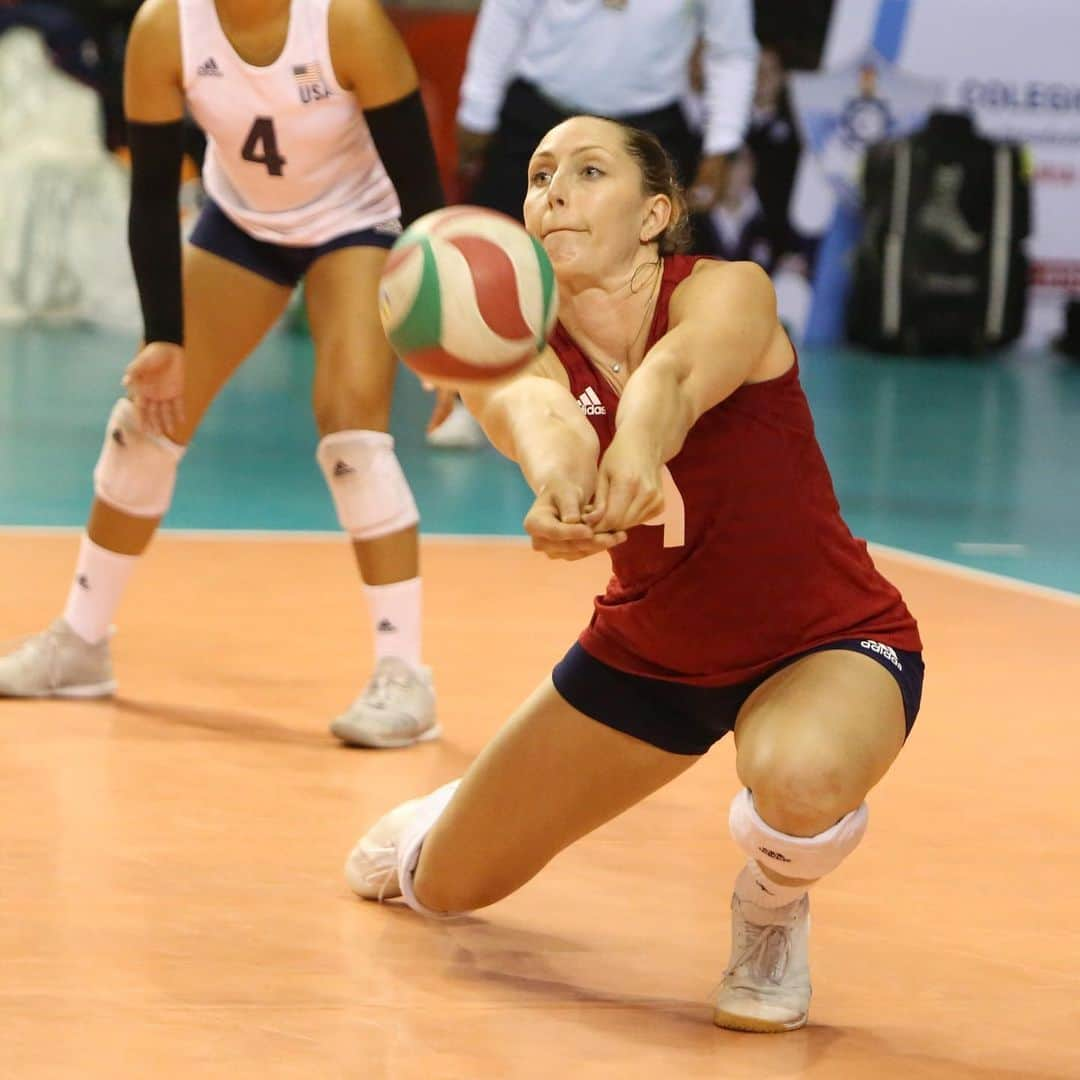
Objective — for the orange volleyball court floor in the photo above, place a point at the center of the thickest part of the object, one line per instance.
(171, 860)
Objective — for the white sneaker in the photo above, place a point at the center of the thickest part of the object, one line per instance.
(458, 431)
(766, 985)
(396, 708)
(57, 663)
(393, 842)
(371, 868)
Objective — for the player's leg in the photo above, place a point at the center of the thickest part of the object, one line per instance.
(551, 775)
(134, 481)
(355, 370)
(811, 741)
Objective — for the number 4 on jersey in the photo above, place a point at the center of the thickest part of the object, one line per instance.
(262, 135)
(673, 516)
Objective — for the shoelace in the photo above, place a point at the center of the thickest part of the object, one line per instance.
(378, 691)
(380, 875)
(767, 955)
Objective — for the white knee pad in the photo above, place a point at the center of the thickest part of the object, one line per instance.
(370, 492)
(412, 840)
(136, 471)
(799, 857)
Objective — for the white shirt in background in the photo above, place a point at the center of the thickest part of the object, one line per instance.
(614, 58)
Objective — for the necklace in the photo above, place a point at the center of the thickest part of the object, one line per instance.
(616, 366)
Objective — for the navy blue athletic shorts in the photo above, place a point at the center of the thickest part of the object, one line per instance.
(281, 263)
(685, 719)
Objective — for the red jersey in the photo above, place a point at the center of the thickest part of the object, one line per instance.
(751, 562)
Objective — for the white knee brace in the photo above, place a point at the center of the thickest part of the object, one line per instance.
(370, 492)
(135, 472)
(799, 857)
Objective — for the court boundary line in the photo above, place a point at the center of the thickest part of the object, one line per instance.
(901, 555)
(312, 535)
(972, 573)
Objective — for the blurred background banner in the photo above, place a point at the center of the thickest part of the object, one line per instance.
(1013, 66)
(835, 76)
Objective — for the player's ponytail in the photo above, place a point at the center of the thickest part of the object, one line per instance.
(659, 177)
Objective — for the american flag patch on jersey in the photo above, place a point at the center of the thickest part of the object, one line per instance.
(307, 74)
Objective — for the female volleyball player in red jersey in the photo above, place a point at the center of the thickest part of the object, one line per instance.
(318, 150)
(666, 424)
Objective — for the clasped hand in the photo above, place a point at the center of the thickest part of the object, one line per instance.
(567, 521)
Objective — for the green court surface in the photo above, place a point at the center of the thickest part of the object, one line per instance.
(976, 462)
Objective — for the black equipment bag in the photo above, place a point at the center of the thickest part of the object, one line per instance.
(940, 266)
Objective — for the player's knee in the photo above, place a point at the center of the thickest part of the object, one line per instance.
(444, 886)
(347, 402)
(367, 484)
(346, 412)
(802, 790)
(437, 892)
(450, 879)
(136, 471)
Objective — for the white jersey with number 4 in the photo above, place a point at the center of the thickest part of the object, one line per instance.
(289, 156)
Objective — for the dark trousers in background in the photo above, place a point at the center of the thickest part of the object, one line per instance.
(527, 115)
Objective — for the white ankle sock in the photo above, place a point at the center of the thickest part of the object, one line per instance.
(395, 616)
(752, 886)
(413, 835)
(100, 578)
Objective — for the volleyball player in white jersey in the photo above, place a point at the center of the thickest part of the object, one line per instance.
(318, 150)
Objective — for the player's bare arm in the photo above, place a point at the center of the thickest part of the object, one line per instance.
(723, 321)
(723, 332)
(533, 420)
(369, 57)
(153, 92)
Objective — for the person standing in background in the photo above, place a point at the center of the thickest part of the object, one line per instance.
(533, 64)
(774, 140)
(739, 223)
(319, 153)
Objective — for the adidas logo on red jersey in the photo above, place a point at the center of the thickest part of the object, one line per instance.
(590, 403)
